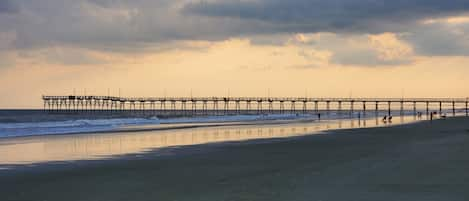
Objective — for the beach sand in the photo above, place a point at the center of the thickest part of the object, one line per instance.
(423, 161)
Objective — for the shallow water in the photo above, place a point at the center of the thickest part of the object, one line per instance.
(48, 148)
(17, 123)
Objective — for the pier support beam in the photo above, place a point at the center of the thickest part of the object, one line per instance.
(248, 106)
(293, 107)
(183, 107)
(304, 107)
(215, 107)
(153, 107)
(259, 107)
(162, 106)
(204, 107)
(467, 111)
(282, 107)
(454, 109)
(440, 108)
(142, 107)
(340, 107)
(389, 108)
(226, 107)
(194, 107)
(427, 103)
(402, 108)
(316, 109)
(328, 106)
(173, 105)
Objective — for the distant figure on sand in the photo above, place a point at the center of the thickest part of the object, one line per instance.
(385, 118)
(319, 116)
(390, 119)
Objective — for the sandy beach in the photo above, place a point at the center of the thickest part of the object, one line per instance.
(422, 161)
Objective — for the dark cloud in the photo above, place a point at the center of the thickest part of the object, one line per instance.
(119, 25)
(8, 6)
(440, 39)
(367, 16)
(149, 25)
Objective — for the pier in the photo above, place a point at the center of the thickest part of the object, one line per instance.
(190, 106)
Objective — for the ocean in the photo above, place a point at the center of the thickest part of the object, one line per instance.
(16, 123)
(36, 136)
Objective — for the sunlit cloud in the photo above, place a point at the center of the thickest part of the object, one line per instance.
(390, 47)
(450, 20)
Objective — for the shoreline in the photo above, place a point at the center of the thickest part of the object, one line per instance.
(191, 125)
(176, 126)
(419, 161)
(110, 145)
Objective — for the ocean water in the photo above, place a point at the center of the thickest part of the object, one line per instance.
(15, 123)
(32, 138)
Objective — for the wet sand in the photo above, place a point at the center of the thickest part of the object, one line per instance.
(422, 161)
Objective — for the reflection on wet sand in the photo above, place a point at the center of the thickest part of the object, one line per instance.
(38, 149)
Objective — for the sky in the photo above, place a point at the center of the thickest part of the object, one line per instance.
(314, 48)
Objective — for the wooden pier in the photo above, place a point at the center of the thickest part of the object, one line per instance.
(249, 105)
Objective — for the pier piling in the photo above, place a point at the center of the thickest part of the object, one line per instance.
(454, 109)
(427, 108)
(440, 107)
(328, 106)
(340, 107)
(467, 111)
(389, 108)
(316, 109)
(402, 108)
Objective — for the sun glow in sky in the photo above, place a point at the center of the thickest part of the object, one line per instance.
(337, 48)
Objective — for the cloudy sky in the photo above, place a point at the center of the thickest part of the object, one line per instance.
(334, 48)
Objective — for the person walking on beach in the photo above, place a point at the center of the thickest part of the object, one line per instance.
(389, 118)
(319, 116)
(385, 118)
